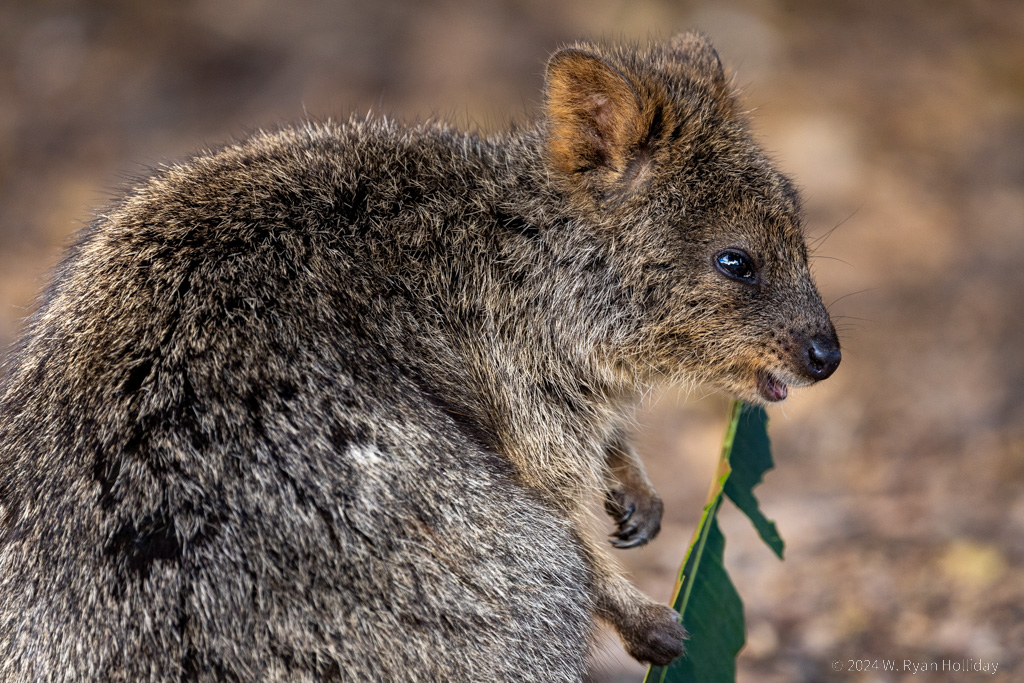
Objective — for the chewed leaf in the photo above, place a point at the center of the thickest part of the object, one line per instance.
(711, 608)
(751, 458)
(705, 597)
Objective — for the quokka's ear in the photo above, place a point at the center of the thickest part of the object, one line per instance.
(693, 51)
(596, 123)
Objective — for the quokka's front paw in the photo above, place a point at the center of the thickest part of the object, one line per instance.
(637, 515)
(656, 637)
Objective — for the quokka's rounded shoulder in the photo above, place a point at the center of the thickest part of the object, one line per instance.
(358, 143)
(300, 171)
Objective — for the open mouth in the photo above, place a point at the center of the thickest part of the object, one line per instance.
(771, 388)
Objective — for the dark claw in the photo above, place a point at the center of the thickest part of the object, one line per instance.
(631, 543)
(627, 514)
(625, 532)
(637, 517)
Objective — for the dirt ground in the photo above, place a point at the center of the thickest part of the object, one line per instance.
(899, 485)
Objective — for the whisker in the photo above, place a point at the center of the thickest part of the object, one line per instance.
(816, 242)
(862, 291)
(817, 257)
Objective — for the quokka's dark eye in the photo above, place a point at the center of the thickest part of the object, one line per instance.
(737, 265)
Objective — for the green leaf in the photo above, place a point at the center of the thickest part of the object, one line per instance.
(713, 614)
(711, 608)
(751, 458)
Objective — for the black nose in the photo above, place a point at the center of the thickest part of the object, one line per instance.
(823, 356)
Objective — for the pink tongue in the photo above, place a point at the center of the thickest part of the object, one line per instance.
(771, 389)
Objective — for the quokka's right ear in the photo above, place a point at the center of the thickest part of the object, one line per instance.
(596, 124)
(695, 53)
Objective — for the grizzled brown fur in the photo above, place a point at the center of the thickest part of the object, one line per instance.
(331, 403)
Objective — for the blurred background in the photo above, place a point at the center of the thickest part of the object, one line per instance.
(900, 482)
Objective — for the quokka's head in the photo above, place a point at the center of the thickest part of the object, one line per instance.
(704, 234)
